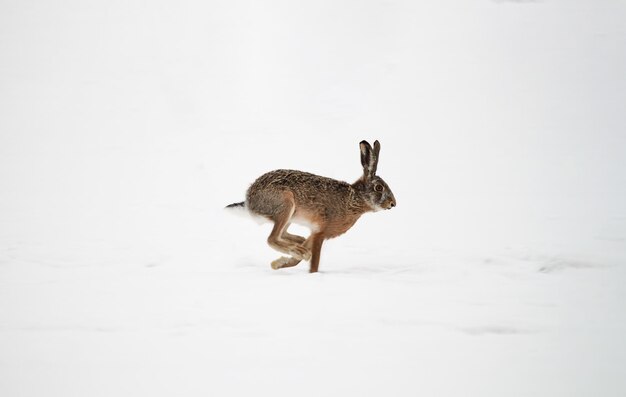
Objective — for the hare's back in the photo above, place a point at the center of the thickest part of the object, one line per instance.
(309, 190)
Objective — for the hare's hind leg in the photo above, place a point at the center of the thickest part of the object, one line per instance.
(313, 243)
(292, 237)
(281, 220)
(285, 261)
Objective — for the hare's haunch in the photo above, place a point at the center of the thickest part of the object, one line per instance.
(327, 206)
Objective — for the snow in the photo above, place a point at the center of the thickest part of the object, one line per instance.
(126, 127)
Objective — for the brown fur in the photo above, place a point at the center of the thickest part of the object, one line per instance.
(332, 207)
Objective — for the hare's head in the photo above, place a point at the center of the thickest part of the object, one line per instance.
(375, 191)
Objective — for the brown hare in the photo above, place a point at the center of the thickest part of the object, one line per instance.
(327, 206)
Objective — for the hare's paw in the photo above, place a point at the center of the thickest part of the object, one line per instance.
(300, 252)
(284, 261)
(280, 262)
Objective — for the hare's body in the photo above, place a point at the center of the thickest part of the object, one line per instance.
(323, 204)
(327, 206)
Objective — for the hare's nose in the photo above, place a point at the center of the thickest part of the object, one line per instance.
(393, 204)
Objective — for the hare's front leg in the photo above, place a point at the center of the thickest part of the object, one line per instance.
(316, 241)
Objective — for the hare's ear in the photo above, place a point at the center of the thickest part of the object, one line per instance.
(374, 166)
(367, 159)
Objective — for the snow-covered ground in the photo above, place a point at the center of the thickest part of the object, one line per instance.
(126, 126)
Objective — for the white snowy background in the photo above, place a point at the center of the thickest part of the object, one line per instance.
(126, 126)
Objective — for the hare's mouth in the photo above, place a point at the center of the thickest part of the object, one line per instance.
(390, 205)
(383, 206)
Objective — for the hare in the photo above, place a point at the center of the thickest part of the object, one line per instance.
(327, 206)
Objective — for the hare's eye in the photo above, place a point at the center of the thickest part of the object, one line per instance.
(379, 188)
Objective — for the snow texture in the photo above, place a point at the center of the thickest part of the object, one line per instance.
(127, 126)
